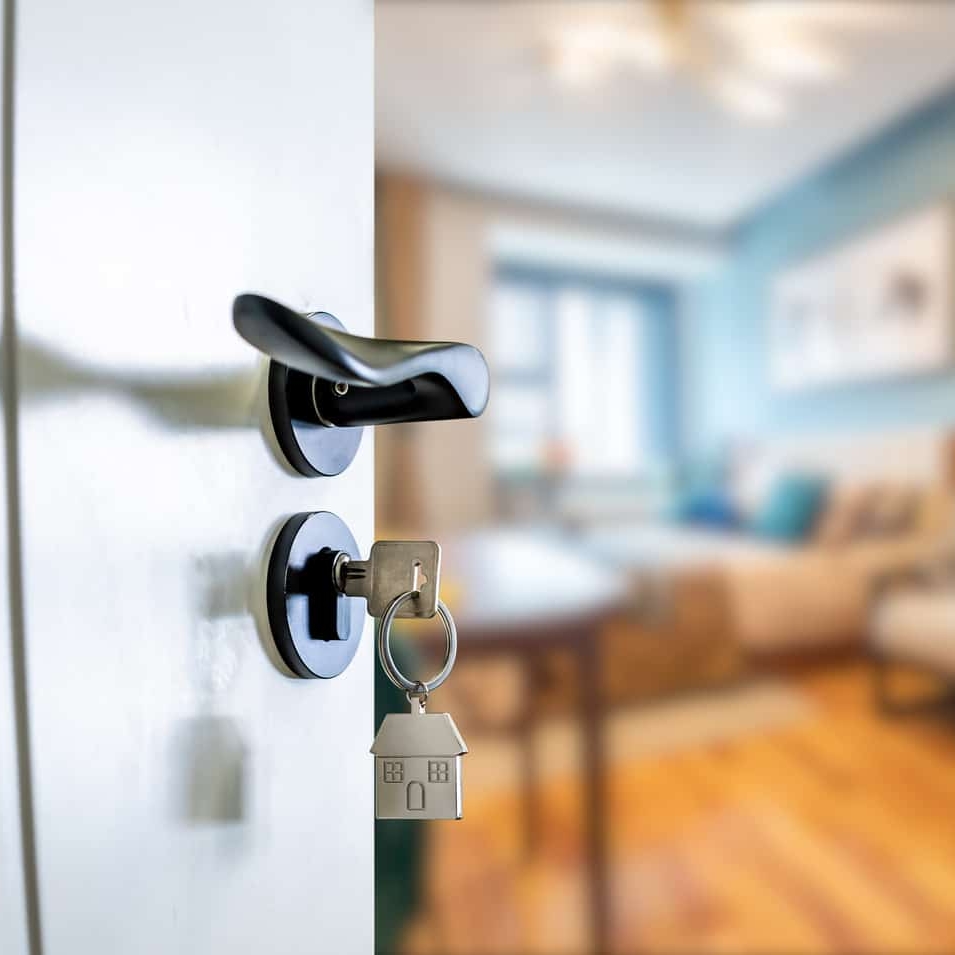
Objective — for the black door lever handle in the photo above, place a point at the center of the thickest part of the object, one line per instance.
(309, 345)
(322, 380)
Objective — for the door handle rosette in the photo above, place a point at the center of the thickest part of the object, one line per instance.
(325, 384)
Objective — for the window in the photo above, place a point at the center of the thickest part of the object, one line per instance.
(393, 772)
(437, 771)
(567, 359)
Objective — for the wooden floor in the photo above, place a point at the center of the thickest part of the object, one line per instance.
(833, 834)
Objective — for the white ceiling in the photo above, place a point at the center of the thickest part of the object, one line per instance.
(465, 93)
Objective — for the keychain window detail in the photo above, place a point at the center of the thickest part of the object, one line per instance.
(394, 772)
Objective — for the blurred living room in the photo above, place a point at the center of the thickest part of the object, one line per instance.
(701, 549)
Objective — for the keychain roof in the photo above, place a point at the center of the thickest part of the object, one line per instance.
(434, 735)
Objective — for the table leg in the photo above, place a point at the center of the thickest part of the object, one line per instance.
(591, 703)
(529, 760)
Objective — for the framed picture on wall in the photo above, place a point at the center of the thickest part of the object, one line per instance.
(877, 307)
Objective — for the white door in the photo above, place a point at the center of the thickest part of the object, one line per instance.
(185, 794)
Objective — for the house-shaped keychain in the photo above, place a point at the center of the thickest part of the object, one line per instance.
(418, 767)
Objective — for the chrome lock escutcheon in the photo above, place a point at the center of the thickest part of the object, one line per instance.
(319, 588)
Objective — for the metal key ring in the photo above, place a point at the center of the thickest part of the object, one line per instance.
(414, 687)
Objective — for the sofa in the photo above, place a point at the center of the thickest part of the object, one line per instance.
(813, 593)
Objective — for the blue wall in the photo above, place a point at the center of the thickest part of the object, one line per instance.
(724, 371)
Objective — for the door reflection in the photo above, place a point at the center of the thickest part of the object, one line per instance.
(216, 399)
(211, 756)
(212, 766)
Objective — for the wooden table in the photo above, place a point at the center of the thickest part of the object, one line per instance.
(525, 595)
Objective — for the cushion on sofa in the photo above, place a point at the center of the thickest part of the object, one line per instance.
(708, 507)
(792, 508)
(917, 627)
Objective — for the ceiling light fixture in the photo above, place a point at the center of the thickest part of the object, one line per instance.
(789, 58)
(585, 53)
(744, 55)
(742, 96)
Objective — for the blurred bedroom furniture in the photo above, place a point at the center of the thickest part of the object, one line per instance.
(677, 637)
(889, 503)
(913, 629)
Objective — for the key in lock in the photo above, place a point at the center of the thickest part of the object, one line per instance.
(418, 766)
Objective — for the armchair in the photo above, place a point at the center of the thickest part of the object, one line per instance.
(912, 626)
